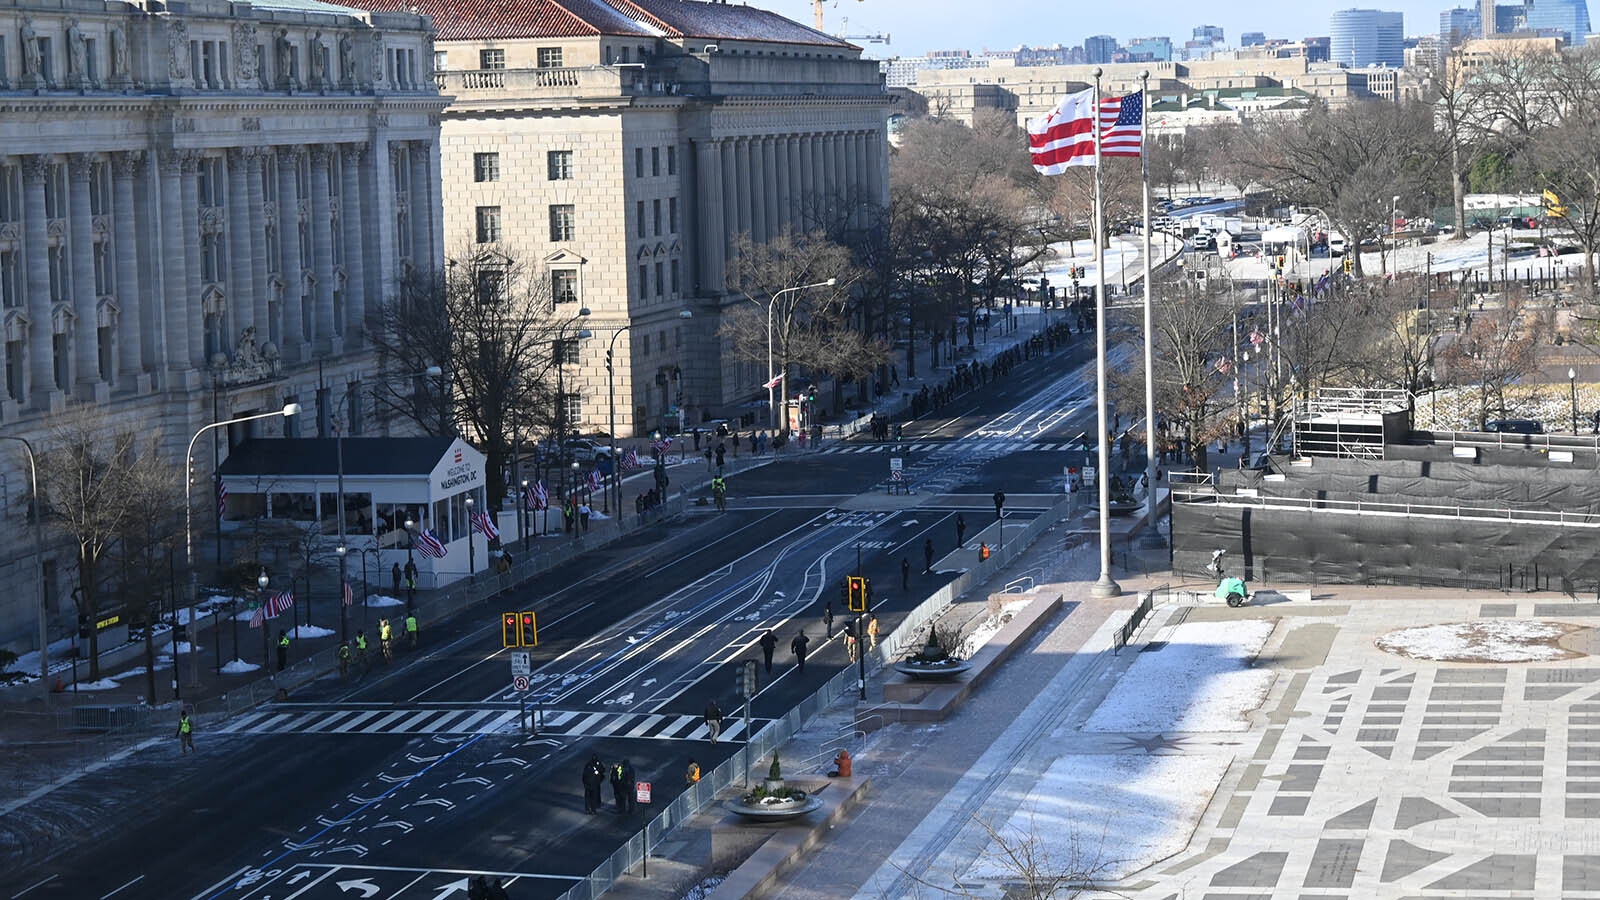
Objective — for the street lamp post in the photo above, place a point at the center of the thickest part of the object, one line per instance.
(344, 585)
(289, 409)
(472, 559)
(1572, 383)
(611, 391)
(261, 598)
(411, 565)
(38, 551)
(561, 374)
(773, 378)
(523, 513)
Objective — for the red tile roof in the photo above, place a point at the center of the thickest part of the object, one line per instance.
(466, 20)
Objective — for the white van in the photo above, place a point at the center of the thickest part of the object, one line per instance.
(1336, 244)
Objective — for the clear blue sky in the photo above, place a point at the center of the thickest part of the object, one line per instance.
(917, 26)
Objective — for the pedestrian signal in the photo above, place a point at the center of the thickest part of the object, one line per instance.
(508, 630)
(856, 593)
(528, 630)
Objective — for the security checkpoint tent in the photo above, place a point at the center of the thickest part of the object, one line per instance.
(386, 481)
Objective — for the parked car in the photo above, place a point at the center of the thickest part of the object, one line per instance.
(1514, 426)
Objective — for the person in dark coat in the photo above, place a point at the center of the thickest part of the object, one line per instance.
(827, 619)
(927, 556)
(629, 781)
(798, 648)
(905, 574)
(594, 775)
(769, 643)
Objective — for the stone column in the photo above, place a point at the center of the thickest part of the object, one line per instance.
(760, 156)
(712, 235)
(796, 211)
(36, 242)
(194, 316)
(260, 269)
(730, 204)
(877, 154)
(785, 168)
(241, 271)
(771, 220)
(174, 264)
(742, 169)
(291, 320)
(353, 157)
(421, 202)
(838, 176)
(85, 368)
(321, 225)
(128, 248)
(808, 172)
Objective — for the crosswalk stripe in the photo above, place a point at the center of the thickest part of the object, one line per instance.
(385, 722)
(326, 721)
(567, 723)
(357, 720)
(439, 722)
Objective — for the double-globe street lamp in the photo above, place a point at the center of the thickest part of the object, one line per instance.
(772, 376)
(561, 383)
(289, 409)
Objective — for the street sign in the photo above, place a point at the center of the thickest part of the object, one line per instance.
(641, 791)
(1088, 475)
(520, 683)
(896, 463)
(522, 663)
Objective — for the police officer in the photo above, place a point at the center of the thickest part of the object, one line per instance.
(361, 647)
(411, 630)
(344, 660)
(283, 649)
(594, 775)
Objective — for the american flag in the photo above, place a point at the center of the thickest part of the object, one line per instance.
(485, 525)
(258, 618)
(428, 544)
(630, 460)
(279, 603)
(595, 480)
(222, 499)
(662, 444)
(1121, 125)
(349, 595)
(538, 496)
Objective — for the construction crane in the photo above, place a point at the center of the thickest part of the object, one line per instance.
(816, 14)
(844, 26)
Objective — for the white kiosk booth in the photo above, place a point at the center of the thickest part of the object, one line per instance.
(432, 483)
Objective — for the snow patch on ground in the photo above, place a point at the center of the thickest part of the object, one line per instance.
(1488, 640)
(1200, 681)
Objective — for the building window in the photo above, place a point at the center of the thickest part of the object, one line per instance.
(10, 194)
(488, 224)
(99, 188)
(644, 281)
(491, 286)
(638, 162)
(638, 218)
(661, 283)
(672, 215)
(10, 280)
(672, 160)
(55, 190)
(441, 60)
(655, 161)
(209, 179)
(491, 59)
(563, 222)
(572, 409)
(675, 278)
(549, 57)
(567, 352)
(559, 163)
(655, 216)
(564, 285)
(485, 167)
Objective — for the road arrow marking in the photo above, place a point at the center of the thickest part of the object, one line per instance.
(424, 759)
(433, 801)
(364, 885)
(473, 780)
(357, 849)
(299, 876)
(394, 823)
(446, 890)
(516, 761)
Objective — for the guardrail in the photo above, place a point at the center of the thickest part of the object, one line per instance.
(1383, 508)
(1146, 603)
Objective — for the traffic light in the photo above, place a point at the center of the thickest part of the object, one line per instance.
(856, 593)
(1280, 261)
(528, 629)
(508, 630)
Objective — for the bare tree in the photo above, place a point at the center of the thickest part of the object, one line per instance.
(1348, 162)
(1497, 348)
(787, 276)
(145, 546)
(1194, 357)
(490, 322)
(1034, 865)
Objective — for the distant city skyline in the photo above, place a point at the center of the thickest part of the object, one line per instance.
(919, 26)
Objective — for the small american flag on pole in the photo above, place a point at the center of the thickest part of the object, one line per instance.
(222, 499)
(630, 460)
(538, 496)
(349, 595)
(485, 525)
(258, 617)
(428, 544)
(595, 480)
(279, 604)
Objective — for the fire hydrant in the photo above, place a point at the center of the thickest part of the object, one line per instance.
(841, 765)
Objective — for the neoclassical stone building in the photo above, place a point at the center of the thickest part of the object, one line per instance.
(623, 145)
(200, 202)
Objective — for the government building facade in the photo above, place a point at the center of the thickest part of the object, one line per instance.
(200, 204)
(622, 146)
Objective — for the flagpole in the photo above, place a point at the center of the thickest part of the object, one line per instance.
(1152, 534)
(1106, 586)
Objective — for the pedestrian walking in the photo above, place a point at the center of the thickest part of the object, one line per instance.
(872, 632)
(927, 556)
(411, 630)
(361, 647)
(283, 649)
(584, 511)
(961, 530)
(497, 890)
(691, 775)
(827, 619)
(905, 574)
(798, 648)
(344, 660)
(185, 734)
(769, 643)
(394, 576)
(629, 781)
(713, 719)
(478, 888)
(594, 775)
(849, 633)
